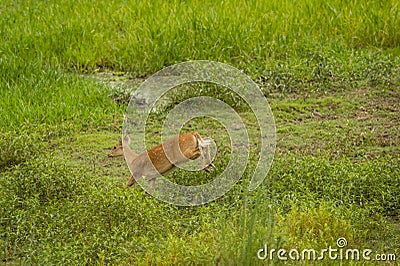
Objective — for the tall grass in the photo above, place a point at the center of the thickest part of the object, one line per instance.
(39, 103)
(36, 95)
(144, 36)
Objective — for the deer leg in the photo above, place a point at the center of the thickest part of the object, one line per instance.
(151, 183)
(203, 157)
(131, 181)
(206, 157)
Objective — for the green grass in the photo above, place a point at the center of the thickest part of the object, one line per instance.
(63, 201)
(142, 37)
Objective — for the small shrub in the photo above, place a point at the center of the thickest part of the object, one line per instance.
(45, 179)
(312, 227)
(16, 148)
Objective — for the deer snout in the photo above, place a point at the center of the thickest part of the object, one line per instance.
(113, 154)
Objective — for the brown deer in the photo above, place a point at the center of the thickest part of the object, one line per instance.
(164, 157)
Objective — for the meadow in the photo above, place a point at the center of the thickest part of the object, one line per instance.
(330, 71)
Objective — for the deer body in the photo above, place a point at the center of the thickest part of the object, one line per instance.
(164, 157)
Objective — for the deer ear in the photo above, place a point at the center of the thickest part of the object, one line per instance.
(127, 139)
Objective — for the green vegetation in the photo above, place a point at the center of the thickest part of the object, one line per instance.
(329, 69)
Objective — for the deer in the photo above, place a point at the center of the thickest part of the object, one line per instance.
(155, 161)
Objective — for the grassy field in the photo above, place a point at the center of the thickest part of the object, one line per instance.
(67, 69)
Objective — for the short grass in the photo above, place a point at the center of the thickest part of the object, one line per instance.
(329, 69)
